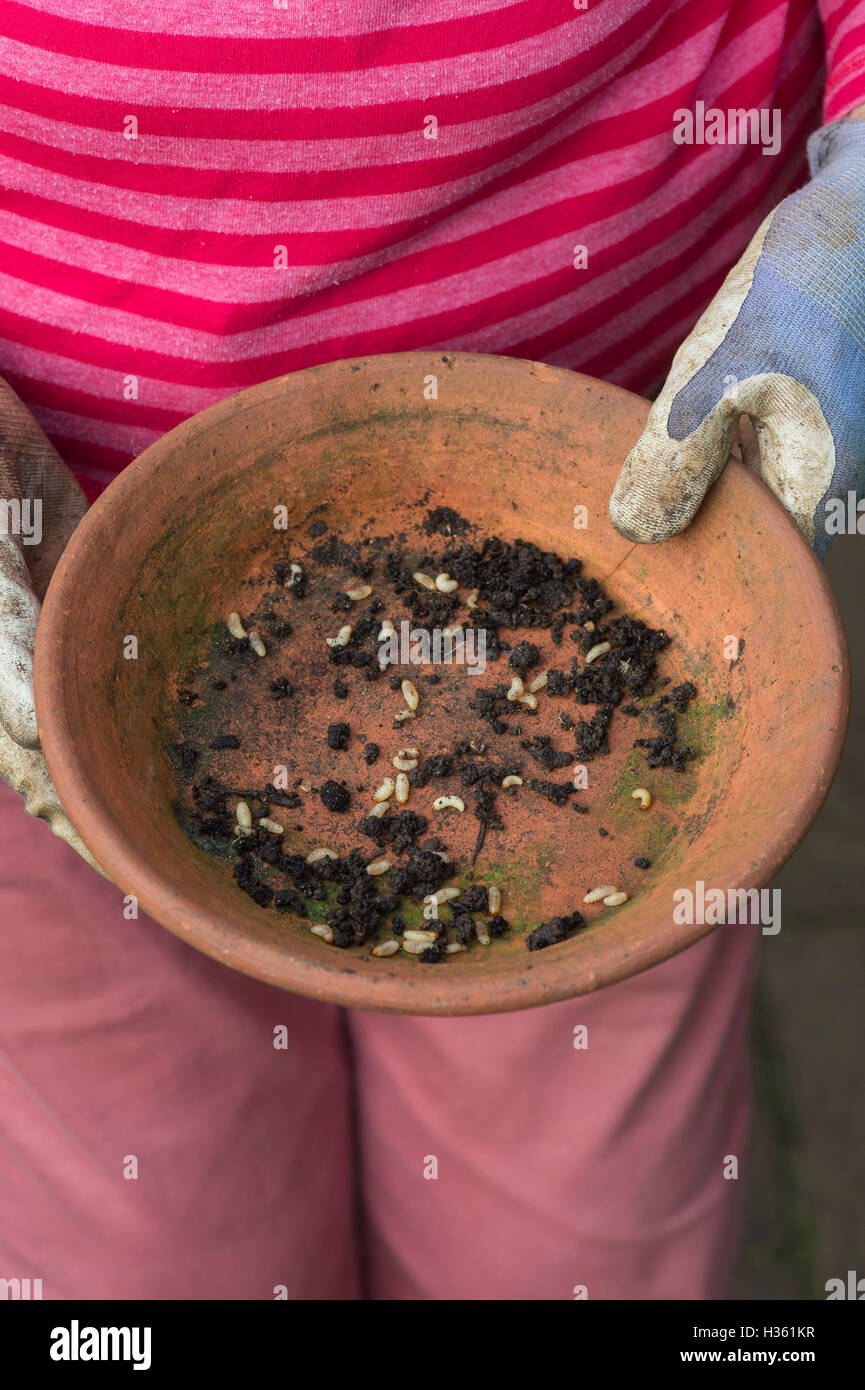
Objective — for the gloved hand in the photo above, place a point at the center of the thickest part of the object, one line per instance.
(783, 342)
(30, 468)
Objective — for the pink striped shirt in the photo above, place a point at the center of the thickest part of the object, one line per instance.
(197, 197)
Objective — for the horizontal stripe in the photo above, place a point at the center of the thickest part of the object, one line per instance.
(287, 88)
(128, 439)
(359, 151)
(320, 53)
(47, 393)
(251, 19)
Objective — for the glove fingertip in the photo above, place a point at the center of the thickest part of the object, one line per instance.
(20, 724)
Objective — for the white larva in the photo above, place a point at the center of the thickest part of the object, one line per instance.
(599, 649)
(380, 809)
(405, 760)
(378, 866)
(516, 690)
(402, 715)
(410, 695)
(402, 788)
(530, 701)
(294, 574)
(482, 934)
(342, 638)
(243, 815)
(386, 948)
(445, 584)
(597, 894)
(643, 796)
(445, 895)
(538, 683)
(315, 855)
(235, 626)
(414, 948)
(425, 581)
(256, 643)
(472, 600)
(616, 899)
(494, 899)
(415, 935)
(387, 789)
(449, 803)
(362, 591)
(452, 948)
(512, 781)
(324, 931)
(272, 825)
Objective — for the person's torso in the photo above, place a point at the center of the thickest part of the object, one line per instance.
(196, 197)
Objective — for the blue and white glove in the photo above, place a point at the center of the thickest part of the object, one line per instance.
(783, 342)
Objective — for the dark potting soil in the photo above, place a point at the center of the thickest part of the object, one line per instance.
(337, 736)
(554, 931)
(335, 797)
(525, 596)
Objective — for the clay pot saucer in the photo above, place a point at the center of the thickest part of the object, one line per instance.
(185, 534)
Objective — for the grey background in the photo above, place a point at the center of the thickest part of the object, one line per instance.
(804, 1173)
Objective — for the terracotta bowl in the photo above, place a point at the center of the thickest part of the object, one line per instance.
(186, 533)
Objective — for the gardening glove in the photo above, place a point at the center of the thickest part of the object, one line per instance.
(30, 469)
(777, 359)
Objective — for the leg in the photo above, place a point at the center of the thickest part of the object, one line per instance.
(560, 1167)
(122, 1049)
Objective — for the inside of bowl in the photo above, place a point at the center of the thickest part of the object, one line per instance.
(522, 451)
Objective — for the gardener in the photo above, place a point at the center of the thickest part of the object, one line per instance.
(199, 198)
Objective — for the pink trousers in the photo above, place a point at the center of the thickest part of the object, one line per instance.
(156, 1143)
